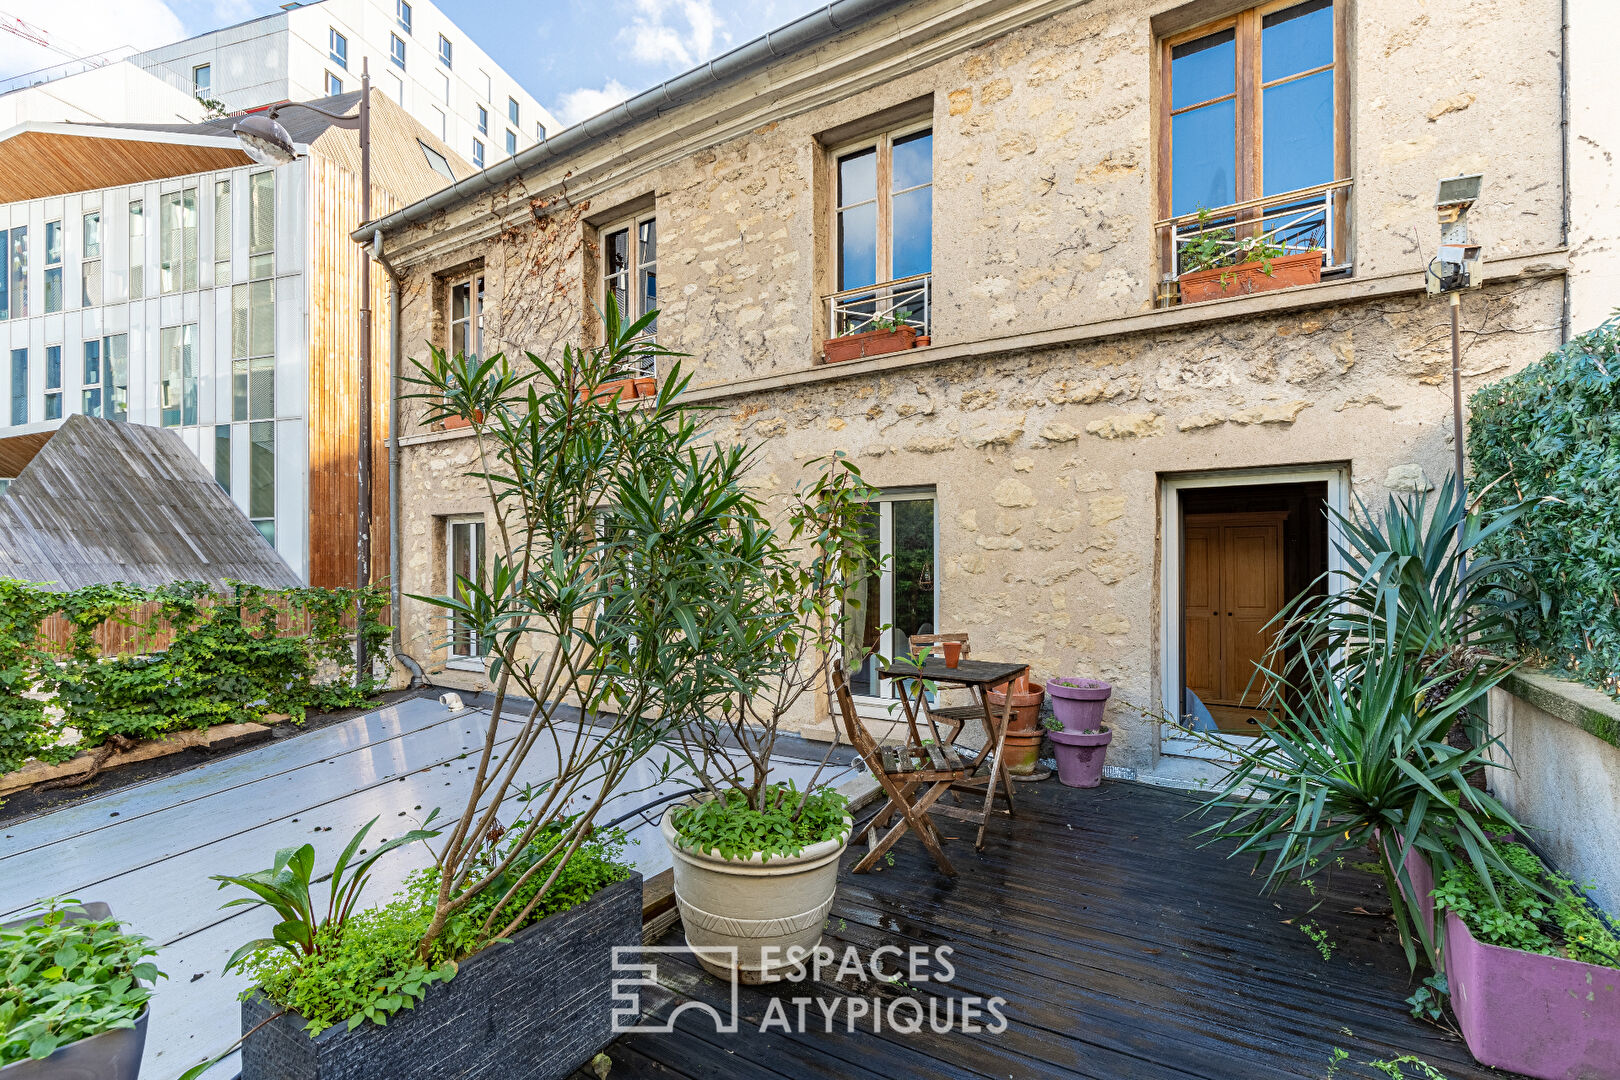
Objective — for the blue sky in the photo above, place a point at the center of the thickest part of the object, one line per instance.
(576, 56)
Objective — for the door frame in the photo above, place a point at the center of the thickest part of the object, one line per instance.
(887, 706)
(1337, 478)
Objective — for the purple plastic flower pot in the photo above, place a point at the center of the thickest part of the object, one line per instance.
(1078, 703)
(1544, 1016)
(1080, 756)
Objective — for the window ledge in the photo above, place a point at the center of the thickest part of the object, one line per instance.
(1300, 298)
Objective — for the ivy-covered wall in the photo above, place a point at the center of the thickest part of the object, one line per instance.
(212, 658)
(1551, 435)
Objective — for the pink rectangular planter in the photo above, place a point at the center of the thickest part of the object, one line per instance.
(1543, 1016)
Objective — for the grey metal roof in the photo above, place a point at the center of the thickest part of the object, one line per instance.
(103, 501)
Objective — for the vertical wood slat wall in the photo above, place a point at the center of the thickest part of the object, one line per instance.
(333, 344)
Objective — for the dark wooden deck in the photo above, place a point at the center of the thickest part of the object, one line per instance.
(1124, 950)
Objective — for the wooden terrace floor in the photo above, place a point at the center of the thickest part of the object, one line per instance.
(1124, 951)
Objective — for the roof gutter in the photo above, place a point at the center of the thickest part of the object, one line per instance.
(801, 33)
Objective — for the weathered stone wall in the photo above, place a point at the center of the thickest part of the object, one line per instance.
(1046, 462)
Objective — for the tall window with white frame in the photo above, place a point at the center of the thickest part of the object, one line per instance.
(1253, 127)
(511, 143)
(478, 153)
(5, 273)
(402, 14)
(94, 370)
(261, 225)
(445, 51)
(177, 241)
(262, 479)
(884, 231)
(396, 50)
(630, 271)
(177, 375)
(53, 382)
(467, 317)
(334, 85)
(222, 231)
(19, 272)
(90, 293)
(54, 291)
(137, 249)
(253, 351)
(337, 48)
(115, 376)
(902, 594)
(202, 82)
(512, 111)
(483, 120)
(19, 386)
(464, 562)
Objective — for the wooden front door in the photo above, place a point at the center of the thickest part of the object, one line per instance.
(1233, 586)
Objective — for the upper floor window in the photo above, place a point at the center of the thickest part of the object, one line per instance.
(53, 267)
(177, 375)
(53, 382)
(202, 80)
(483, 120)
(261, 225)
(444, 51)
(884, 229)
(478, 153)
(512, 110)
(19, 386)
(467, 317)
(177, 240)
(402, 13)
(137, 249)
(17, 294)
(539, 132)
(1252, 112)
(334, 85)
(222, 231)
(92, 235)
(396, 50)
(511, 142)
(630, 269)
(337, 47)
(253, 351)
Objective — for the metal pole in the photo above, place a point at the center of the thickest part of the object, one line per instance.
(363, 425)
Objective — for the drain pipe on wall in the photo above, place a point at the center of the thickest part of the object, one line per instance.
(418, 678)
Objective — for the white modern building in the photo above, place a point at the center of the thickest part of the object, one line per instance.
(417, 56)
(105, 89)
(154, 274)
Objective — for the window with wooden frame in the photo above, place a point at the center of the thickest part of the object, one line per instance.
(883, 230)
(466, 316)
(630, 271)
(1254, 127)
(464, 565)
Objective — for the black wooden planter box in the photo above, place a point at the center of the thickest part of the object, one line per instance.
(536, 1008)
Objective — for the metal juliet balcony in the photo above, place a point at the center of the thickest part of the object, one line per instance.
(1297, 221)
(906, 300)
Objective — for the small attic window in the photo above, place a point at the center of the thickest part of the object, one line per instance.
(437, 160)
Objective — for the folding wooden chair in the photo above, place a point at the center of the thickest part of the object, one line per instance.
(901, 772)
(956, 716)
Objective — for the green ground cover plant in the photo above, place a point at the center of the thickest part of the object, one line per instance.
(786, 822)
(1557, 921)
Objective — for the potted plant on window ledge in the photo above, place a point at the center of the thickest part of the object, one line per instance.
(756, 861)
(876, 336)
(1216, 264)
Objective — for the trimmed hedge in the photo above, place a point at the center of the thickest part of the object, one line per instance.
(229, 658)
(1551, 434)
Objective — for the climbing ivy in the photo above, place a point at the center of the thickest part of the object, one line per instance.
(1551, 435)
(230, 657)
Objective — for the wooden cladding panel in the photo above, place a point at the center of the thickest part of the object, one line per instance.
(85, 163)
(334, 335)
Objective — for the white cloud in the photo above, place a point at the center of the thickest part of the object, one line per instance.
(89, 27)
(581, 104)
(673, 33)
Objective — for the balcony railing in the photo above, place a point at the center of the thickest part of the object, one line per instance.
(1296, 221)
(906, 300)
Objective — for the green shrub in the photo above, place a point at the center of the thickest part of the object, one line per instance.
(728, 825)
(1561, 923)
(65, 981)
(1551, 434)
(228, 660)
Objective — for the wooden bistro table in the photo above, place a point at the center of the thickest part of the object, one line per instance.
(981, 677)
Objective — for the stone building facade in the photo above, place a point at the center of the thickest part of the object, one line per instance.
(1061, 421)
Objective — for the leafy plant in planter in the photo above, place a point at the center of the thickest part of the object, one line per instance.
(70, 976)
(873, 337)
(735, 847)
(1554, 920)
(1216, 260)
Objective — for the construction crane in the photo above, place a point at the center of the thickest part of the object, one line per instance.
(37, 35)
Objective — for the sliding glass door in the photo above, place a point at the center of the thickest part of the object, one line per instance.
(902, 597)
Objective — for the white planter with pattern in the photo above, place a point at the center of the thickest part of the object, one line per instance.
(751, 904)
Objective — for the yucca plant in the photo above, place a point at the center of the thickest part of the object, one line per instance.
(1357, 755)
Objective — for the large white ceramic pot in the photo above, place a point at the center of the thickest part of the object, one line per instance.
(753, 904)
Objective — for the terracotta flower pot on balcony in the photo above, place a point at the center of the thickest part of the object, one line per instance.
(617, 390)
(1026, 705)
(870, 343)
(450, 423)
(1287, 271)
(646, 387)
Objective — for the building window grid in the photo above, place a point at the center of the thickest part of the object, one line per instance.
(396, 50)
(337, 47)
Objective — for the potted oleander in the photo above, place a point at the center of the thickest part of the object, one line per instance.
(613, 535)
(873, 337)
(1218, 263)
(74, 992)
(756, 860)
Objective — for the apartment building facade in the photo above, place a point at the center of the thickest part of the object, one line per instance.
(1078, 470)
(417, 56)
(155, 275)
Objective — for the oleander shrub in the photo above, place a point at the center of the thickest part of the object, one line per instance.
(1551, 435)
(197, 656)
